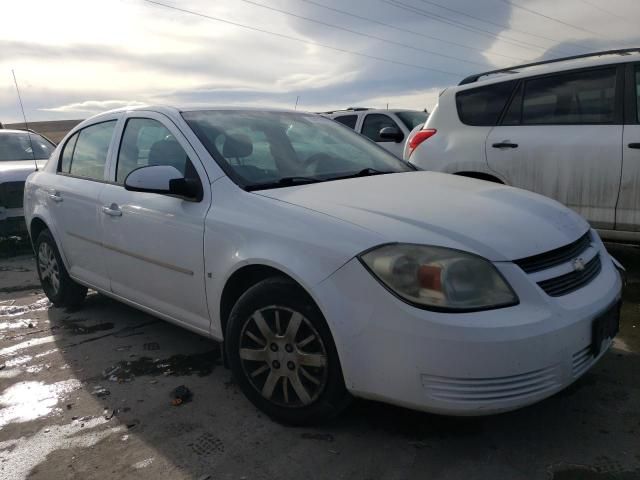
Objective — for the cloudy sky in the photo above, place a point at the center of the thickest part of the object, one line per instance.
(74, 58)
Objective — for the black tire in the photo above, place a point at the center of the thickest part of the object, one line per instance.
(318, 402)
(55, 280)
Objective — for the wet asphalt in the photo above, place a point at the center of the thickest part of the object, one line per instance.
(86, 394)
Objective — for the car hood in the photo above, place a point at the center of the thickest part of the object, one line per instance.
(18, 170)
(495, 221)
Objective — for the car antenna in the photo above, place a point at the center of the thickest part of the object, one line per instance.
(24, 117)
(296, 105)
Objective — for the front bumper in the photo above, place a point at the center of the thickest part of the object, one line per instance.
(463, 364)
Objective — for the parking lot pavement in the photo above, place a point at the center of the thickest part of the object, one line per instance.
(86, 394)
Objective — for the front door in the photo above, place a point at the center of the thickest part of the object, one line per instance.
(154, 243)
(371, 126)
(560, 137)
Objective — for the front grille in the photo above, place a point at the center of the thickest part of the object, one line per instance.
(11, 194)
(555, 257)
(488, 390)
(572, 281)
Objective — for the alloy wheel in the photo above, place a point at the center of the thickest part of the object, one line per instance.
(283, 356)
(48, 266)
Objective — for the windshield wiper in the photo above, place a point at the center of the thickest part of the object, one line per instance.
(365, 172)
(283, 182)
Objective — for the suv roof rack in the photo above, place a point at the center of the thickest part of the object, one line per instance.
(475, 77)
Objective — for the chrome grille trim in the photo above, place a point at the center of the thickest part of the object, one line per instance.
(555, 257)
(572, 281)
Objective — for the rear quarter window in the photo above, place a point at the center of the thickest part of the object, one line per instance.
(482, 106)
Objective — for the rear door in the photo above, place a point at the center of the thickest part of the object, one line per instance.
(154, 243)
(73, 200)
(561, 137)
(628, 211)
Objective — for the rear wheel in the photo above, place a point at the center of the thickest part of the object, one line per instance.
(282, 355)
(56, 283)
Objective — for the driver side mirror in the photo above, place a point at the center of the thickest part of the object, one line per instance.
(164, 180)
(391, 133)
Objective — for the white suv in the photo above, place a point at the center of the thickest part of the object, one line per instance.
(568, 129)
(388, 128)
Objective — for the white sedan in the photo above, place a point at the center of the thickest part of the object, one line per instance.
(328, 267)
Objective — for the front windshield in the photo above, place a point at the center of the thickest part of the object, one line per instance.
(16, 146)
(272, 149)
(412, 119)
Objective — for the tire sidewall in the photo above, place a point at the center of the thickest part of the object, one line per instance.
(283, 292)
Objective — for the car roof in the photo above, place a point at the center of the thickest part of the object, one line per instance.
(11, 131)
(595, 59)
(355, 111)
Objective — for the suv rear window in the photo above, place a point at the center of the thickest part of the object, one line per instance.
(582, 97)
(482, 106)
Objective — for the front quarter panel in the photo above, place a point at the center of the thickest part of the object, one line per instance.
(244, 228)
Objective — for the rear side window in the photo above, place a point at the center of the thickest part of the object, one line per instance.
(147, 142)
(482, 106)
(67, 154)
(348, 120)
(85, 154)
(583, 97)
(374, 122)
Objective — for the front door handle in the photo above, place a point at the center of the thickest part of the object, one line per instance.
(55, 196)
(505, 145)
(112, 210)
(634, 145)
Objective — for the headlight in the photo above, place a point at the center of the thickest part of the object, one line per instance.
(439, 278)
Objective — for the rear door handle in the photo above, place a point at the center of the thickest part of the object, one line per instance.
(634, 145)
(55, 196)
(505, 145)
(112, 210)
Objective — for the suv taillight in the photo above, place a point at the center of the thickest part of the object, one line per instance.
(419, 137)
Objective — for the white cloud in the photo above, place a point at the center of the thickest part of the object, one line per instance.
(93, 106)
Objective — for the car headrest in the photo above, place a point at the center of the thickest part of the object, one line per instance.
(237, 146)
(167, 152)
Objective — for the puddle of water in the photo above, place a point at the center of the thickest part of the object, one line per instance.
(20, 456)
(15, 310)
(24, 345)
(26, 401)
(178, 365)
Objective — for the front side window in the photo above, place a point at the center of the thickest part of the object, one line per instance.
(89, 154)
(348, 120)
(147, 142)
(373, 123)
(482, 106)
(24, 146)
(584, 97)
(272, 149)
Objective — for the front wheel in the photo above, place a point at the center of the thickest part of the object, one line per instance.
(56, 283)
(282, 355)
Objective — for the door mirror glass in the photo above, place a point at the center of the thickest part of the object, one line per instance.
(391, 133)
(163, 179)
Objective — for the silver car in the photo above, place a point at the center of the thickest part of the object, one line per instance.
(20, 151)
